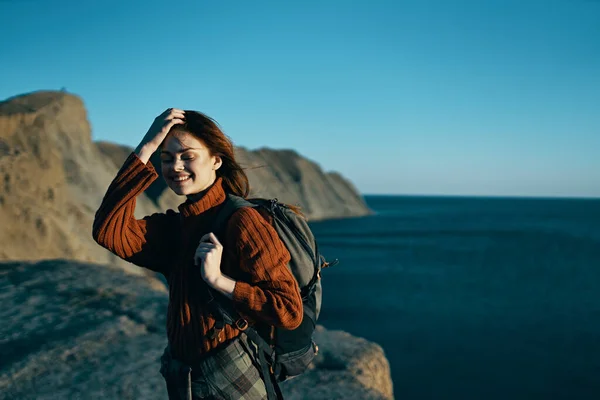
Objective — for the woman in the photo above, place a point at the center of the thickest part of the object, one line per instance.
(249, 267)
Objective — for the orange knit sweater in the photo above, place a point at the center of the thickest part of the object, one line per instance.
(253, 255)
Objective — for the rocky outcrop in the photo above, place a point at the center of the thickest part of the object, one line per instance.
(52, 179)
(282, 174)
(293, 179)
(80, 330)
(347, 367)
(84, 324)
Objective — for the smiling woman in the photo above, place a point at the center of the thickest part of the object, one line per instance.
(187, 165)
(195, 153)
(203, 358)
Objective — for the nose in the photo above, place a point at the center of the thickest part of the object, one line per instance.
(178, 165)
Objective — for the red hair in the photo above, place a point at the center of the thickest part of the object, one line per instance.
(206, 129)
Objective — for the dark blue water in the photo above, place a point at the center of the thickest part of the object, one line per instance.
(472, 298)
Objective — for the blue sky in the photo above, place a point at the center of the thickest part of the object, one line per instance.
(402, 97)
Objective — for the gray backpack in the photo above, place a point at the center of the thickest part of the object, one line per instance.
(291, 351)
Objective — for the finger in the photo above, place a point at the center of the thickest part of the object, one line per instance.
(169, 111)
(174, 122)
(172, 117)
(176, 113)
(205, 249)
(210, 238)
(205, 246)
(213, 238)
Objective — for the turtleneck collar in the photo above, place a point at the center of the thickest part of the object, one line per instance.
(214, 196)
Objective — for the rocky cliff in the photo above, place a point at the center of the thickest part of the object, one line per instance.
(53, 177)
(52, 180)
(282, 174)
(80, 330)
(77, 322)
(294, 179)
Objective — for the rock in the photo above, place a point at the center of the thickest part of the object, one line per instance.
(347, 367)
(281, 174)
(84, 323)
(293, 179)
(52, 180)
(80, 330)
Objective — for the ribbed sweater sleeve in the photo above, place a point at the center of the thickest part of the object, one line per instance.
(270, 294)
(144, 242)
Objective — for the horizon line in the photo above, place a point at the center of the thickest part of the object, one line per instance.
(485, 196)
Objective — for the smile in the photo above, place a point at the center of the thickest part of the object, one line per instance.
(180, 178)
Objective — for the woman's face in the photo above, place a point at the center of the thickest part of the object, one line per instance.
(187, 166)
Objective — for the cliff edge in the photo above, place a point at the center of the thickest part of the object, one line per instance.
(80, 330)
(77, 321)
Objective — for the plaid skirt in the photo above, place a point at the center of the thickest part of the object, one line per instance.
(227, 374)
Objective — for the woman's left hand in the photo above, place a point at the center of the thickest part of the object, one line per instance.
(208, 257)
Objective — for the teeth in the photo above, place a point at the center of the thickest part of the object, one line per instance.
(181, 178)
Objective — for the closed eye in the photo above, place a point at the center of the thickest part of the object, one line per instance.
(167, 157)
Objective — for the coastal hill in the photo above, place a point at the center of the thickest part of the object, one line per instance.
(78, 321)
(53, 178)
(281, 174)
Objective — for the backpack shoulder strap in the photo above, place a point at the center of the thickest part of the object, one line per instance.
(226, 314)
(231, 204)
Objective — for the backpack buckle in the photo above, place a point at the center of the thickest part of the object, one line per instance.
(273, 205)
(215, 331)
(241, 324)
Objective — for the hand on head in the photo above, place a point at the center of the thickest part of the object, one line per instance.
(158, 132)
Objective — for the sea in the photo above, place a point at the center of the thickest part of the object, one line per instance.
(472, 297)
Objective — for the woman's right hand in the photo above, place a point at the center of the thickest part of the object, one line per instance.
(158, 132)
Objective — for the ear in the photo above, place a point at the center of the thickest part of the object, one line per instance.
(217, 163)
